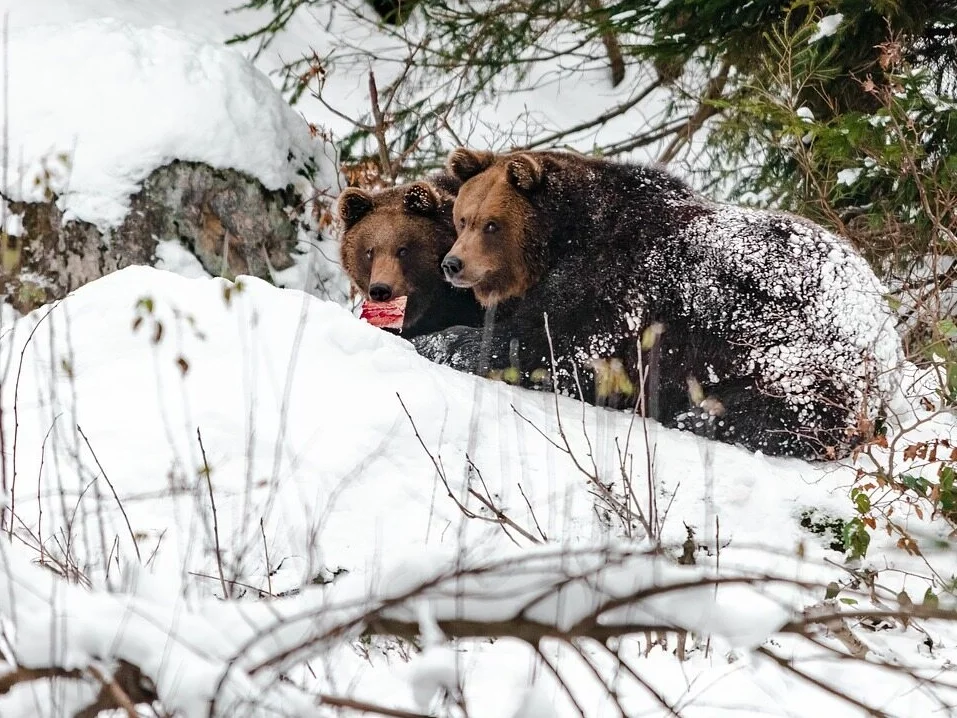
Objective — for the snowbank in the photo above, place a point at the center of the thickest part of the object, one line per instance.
(192, 655)
(94, 107)
(316, 467)
(289, 389)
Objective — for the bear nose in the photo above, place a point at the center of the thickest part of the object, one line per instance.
(380, 292)
(451, 266)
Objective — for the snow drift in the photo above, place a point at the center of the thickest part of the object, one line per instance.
(329, 446)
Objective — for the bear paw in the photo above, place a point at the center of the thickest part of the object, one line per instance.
(458, 347)
(706, 419)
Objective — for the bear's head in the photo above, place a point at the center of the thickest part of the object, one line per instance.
(393, 242)
(497, 253)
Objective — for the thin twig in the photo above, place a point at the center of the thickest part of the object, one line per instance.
(561, 681)
(116, 692)
(43, 452)
(500, 517)
(499, 513)
(231, 582)
(16, 417)
(119, 503)
(659, 698)
(609, 691)
(706, 110)
(379, 129)
(212, 501)
(788, 666)
(532, 512)
(364, 707)
(262, 530)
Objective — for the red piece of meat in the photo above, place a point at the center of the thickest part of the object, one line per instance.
(385, 315)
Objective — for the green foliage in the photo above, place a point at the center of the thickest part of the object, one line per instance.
(856, 538)
(815, 109)
(747, 34)
(793, 109)
(930, 495)
(858, 131)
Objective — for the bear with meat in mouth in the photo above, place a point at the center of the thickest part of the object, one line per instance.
(392, 246)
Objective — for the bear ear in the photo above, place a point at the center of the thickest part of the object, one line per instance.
(421, 198)
(525, 172)
(445, 183)
(354, 204)
(465, 163)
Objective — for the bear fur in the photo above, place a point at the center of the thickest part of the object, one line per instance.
(752, 327)
(393, 242)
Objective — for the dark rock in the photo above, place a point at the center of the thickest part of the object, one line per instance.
(226, 218)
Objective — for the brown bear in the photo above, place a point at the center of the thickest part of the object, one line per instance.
(392, 245)
(748, 326)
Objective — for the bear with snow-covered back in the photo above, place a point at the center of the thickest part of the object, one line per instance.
(773, 332)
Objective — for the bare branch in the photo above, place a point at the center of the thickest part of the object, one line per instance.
(119, 503)
(352, 704)
(212, 501)
(379, 129)
(706, 110)
(26, 675)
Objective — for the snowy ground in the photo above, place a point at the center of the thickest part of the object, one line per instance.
(132, 406)
(316, 469)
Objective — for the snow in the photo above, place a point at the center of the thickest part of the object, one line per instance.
(159, 95)
(13, 224)
(177, 648)
(174, 257)
(348, 41)
(826, 26)
(296, 400)
(849, 176)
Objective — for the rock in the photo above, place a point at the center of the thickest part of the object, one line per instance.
(226, 218)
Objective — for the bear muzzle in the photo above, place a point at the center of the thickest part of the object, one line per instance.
(380, 292)
(460, 275)
(452, 267)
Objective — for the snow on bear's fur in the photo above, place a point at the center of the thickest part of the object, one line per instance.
(781, 324)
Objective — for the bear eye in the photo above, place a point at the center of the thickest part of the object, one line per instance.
(368, 254)
(402, 252)
(490, 228)
(461, 222)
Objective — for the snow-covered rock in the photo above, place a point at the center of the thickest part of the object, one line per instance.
(94, 107)
(151, 135)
